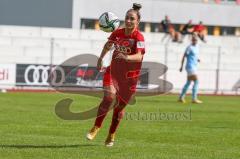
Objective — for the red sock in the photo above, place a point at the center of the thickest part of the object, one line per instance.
(103, 110)
(118, 114)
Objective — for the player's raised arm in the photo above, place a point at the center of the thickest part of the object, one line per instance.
(106, 48)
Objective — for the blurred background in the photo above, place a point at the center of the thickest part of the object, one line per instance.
(36, 35)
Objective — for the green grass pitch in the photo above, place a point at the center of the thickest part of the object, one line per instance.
(29, 128)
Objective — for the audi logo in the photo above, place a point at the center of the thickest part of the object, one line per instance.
(40, 75)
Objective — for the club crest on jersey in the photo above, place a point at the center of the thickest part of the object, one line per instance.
(131, 41)
(140, 44)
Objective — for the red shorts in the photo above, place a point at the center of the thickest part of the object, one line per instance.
(124, 90)
(107, 78)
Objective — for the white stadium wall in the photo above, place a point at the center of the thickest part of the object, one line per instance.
(179, 11)
(219, 70)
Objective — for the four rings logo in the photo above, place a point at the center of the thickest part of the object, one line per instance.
(39, 75)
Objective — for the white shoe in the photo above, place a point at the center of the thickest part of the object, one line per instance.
(181, 100)
(109, 142)
(92, 133)
(196, 101)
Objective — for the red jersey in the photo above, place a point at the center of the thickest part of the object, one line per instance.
(199, 28)
(129, 45)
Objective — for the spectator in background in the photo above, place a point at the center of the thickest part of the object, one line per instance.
(165, 24)
(218, 1)
(200, 31)
(238, 2)
(168, 28)
(186, 29)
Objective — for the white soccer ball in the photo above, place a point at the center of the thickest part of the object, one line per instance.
(108, 22)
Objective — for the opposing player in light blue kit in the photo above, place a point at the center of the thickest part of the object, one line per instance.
(191, 54)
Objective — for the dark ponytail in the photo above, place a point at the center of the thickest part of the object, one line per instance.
(136, 7)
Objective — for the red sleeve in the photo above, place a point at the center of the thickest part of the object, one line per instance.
(113, 35)
(140, 43)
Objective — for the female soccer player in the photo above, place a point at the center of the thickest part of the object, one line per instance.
(191, 54)
(120, 78)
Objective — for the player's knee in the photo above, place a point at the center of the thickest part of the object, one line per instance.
(109, 99)
(105, 104)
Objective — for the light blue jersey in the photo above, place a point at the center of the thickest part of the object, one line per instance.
(191, 54)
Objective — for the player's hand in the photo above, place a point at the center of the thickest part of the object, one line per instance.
(180, 69)
(99, 64)
(121, 56)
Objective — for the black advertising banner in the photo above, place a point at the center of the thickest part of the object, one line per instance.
(65, 76)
